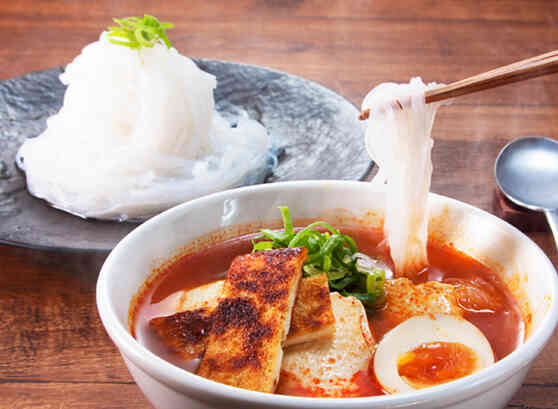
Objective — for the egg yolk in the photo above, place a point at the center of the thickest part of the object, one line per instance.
(435, 363)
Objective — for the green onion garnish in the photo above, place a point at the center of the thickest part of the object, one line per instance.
(135, 32)
(331, 252)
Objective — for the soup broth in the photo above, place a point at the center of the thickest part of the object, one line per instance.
(490, 306)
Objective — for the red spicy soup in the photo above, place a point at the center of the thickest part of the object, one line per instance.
(487, 302)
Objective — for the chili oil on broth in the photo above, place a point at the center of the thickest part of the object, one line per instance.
(501, 324)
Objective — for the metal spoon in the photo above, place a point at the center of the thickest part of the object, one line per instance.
(526, 171)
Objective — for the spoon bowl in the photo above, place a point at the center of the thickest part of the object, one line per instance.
(526, 172)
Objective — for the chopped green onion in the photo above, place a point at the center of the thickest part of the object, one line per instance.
(331, 243)
(333, 275)
(326, 263)
(274, 235)
(331, 252)
(135, 32)
(287, 221)
(262, 245)
(344, 282)
(310, 270)
(313, 244)
(375, 282)
(351, 242)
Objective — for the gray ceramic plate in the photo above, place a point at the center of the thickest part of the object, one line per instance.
(317, 130)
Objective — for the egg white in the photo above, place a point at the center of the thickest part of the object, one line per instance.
(419, 330)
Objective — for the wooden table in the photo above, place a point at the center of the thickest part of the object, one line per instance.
(54, 353)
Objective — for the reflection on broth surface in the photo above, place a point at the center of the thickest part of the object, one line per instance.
(467, 288)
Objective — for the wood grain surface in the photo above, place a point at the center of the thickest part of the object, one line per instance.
(54, 352)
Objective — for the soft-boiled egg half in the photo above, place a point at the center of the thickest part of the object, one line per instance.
(425, 351)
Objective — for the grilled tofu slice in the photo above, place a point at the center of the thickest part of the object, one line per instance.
(405, 300)
(331, 368)
(185, 332)
(312, 317)
(252, 319)
(205, 296)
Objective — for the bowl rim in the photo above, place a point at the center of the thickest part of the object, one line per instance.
(204, 389)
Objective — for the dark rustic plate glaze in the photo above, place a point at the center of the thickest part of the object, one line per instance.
(316, 130)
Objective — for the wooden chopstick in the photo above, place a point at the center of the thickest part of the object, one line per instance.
(540, 65)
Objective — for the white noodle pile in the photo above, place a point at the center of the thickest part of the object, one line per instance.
(137, 134)
(399, 141)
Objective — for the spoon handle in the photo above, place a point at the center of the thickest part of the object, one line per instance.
(522, 70)
(552, 218)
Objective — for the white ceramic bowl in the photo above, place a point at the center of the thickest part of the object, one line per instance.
(521, 263)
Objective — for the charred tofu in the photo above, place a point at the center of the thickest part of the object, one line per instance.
(185, 333)
(312, 318)
(250, 324)
(331, 368)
